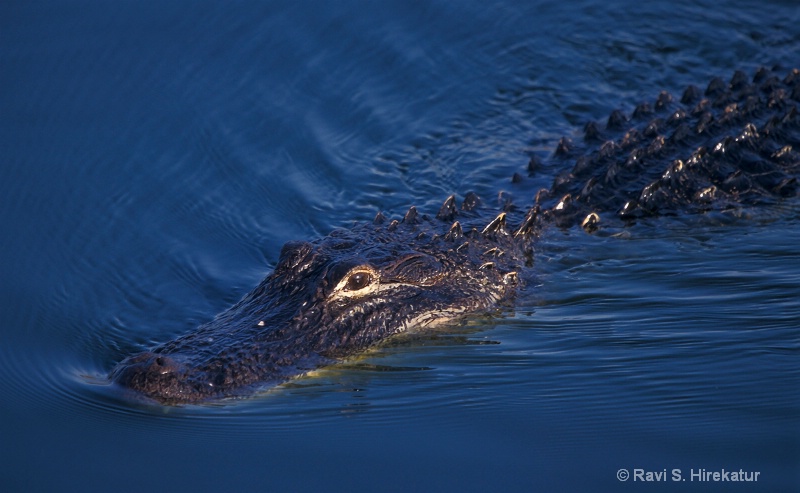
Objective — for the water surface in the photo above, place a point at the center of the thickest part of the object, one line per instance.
(156, 157)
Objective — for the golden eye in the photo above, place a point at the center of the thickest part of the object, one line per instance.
(357, 281)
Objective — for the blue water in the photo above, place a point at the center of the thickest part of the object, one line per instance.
(156, 156)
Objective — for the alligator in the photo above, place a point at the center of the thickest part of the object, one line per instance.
(734, 145)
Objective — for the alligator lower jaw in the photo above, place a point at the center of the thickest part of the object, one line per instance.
(162, 378)
(351, 290)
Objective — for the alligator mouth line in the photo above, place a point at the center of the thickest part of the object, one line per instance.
(733, 145)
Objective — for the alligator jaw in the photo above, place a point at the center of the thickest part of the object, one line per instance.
(148, 370)
(163, 379)
(353, 289)
(329, 300)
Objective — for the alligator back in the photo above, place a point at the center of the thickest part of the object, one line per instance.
(733, 145)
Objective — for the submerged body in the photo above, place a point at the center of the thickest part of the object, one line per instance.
(736, 144)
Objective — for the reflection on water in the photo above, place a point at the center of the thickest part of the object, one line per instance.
(157, 157)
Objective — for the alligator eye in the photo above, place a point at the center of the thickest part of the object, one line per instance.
(358, 280)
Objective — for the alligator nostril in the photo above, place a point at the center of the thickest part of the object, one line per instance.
(163, 365)
(156, 375)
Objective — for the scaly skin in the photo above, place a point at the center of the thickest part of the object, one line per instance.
(736, 145)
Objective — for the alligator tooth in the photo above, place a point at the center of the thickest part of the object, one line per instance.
(448, 210)
(488, 265)
(379, 218)
(392, 225)
(498, 224)
(510, 278)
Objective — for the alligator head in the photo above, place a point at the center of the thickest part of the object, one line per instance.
(734, 145)
(329, 299)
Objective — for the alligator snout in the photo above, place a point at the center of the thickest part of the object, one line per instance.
(146, 371)
(149, 363)
(341, 294)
